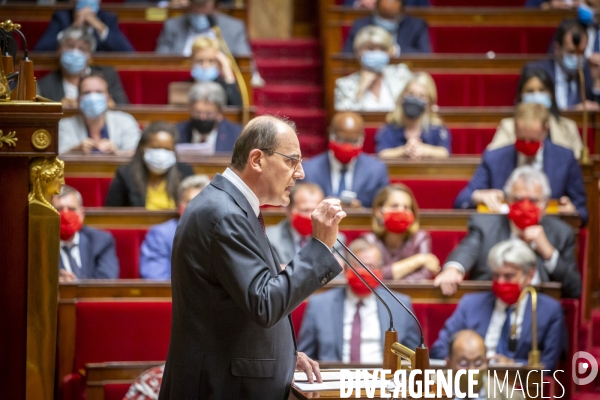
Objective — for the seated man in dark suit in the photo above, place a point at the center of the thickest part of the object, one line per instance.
(85, 253)
(344, 171)
(294, 232)
(87, 14)
(411, 34)
(348, 324)
(207, 123)
(527, 193)
(75, 48)
(492, 314)
(564, 71)
(533, 147)
(155, 254)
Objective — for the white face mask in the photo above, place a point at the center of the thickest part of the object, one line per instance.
(159, 161)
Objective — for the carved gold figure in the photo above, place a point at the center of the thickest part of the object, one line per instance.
(9, 139)
(46, 177)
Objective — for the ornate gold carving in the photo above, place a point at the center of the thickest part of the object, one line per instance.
(41, 139)
(46, 177)
(9, 26)
(9, 139)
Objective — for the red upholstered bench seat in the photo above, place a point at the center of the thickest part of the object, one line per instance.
(129, 243)
(434, 193)
(93, 190)
(115, 391)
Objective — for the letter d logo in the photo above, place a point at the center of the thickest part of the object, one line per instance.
(582, 368)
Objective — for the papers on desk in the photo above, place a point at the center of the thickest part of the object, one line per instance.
(326, 375)
(332, 381)
(203, 149)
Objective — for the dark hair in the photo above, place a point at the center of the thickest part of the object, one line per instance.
(546, 81)
(566, 26)
(92, 74)
(259, 133)
(138, 166)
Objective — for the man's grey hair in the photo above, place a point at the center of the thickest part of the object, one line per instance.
(67, 190)
(530, 176)
(192, 182)
(78, 33)
(515, 252)
(211, 92)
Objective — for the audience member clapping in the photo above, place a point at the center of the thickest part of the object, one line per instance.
(533, 148)
(75, 48)
(152, 177)
(513, 267)
(527, 193)
(87, 15)
(97, 129)
(85, 253)
(344, 171)
(376, 86)
(410, 34)
(348, 324)
(207, 123)
(405, 248)
(155, 254)
(414, 129)
(536, 86)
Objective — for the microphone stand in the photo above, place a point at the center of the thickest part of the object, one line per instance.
(585, 154)
(26, 88)
(534, 356)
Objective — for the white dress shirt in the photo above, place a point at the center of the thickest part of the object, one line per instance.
(385, 101)
(75, 253)
(561, 90)
(371, 351)
(210, 140)
(492, 336)
(242, 187)
(336, 172)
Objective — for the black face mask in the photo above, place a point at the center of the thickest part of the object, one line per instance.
(413, 107)
(203, 126)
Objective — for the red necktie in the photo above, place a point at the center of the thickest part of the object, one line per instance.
(262, 223)
(355, 338)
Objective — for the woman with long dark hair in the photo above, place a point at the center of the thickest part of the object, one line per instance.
(152, 177)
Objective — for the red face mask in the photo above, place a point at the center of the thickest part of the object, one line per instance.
(356, 284)
(524, 213)
(344, 152)
(527, 148)
(70, 224)
(398, 221)
(507, 292)
(302, 224)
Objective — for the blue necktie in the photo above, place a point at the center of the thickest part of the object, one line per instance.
(597, 42)
(572, 93)
(342, 185)
(72, 263)
(502, 347)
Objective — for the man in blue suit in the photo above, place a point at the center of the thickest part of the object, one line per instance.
(348, 324)
(85, 253)
(207, 123)
(155, 255)
(411, 34)
(87, 13)
(532, 147)
(345, 171)
(493, 314)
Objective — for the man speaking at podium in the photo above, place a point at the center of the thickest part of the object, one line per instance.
(232, 337)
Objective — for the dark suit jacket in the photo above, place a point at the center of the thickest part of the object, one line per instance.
(123, 191)
(227, 134)
(321, 336)
(51, 87)
(412, 35)
(98, 257)
(370, 176)
(475, 312)
(560, 166)
(485, 230)
(62, 19)
(231, 336)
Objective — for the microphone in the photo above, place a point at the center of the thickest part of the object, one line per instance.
(26, 88)
(576, 37)
(534, 356)
(390, 360)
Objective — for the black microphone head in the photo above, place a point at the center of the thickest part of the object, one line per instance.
(576, 36)
(512, 344)
(212, 20)
(8, 45)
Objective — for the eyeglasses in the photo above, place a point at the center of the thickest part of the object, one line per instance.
(295, 161)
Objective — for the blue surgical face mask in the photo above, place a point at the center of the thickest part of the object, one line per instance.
(201, 74)
(199, 22)
(585, 14)
(569, 61)
(542, 98)
(159, 161)
(73, 61)
(387, 24)
(93, 4)
(92, 105)
(375, 60)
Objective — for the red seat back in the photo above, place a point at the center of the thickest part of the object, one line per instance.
(93, 190)
(471, 140)
(473, 89)
(443, 242)
(446, 191)
(432, 318)
(297, 316)
(108, 331)
(142, 35)
(149, 86)
(128, 243)
(115, 391)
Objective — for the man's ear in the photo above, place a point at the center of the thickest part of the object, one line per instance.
(255, 160)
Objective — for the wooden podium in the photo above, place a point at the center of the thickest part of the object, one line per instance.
(29, 247)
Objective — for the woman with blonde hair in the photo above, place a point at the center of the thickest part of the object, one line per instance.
(378, 83)
(414, 129)
(406, 249)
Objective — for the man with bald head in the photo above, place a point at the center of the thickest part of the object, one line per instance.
(344, 171)
(231, 335)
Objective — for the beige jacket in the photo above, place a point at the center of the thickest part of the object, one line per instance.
(563, 132)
